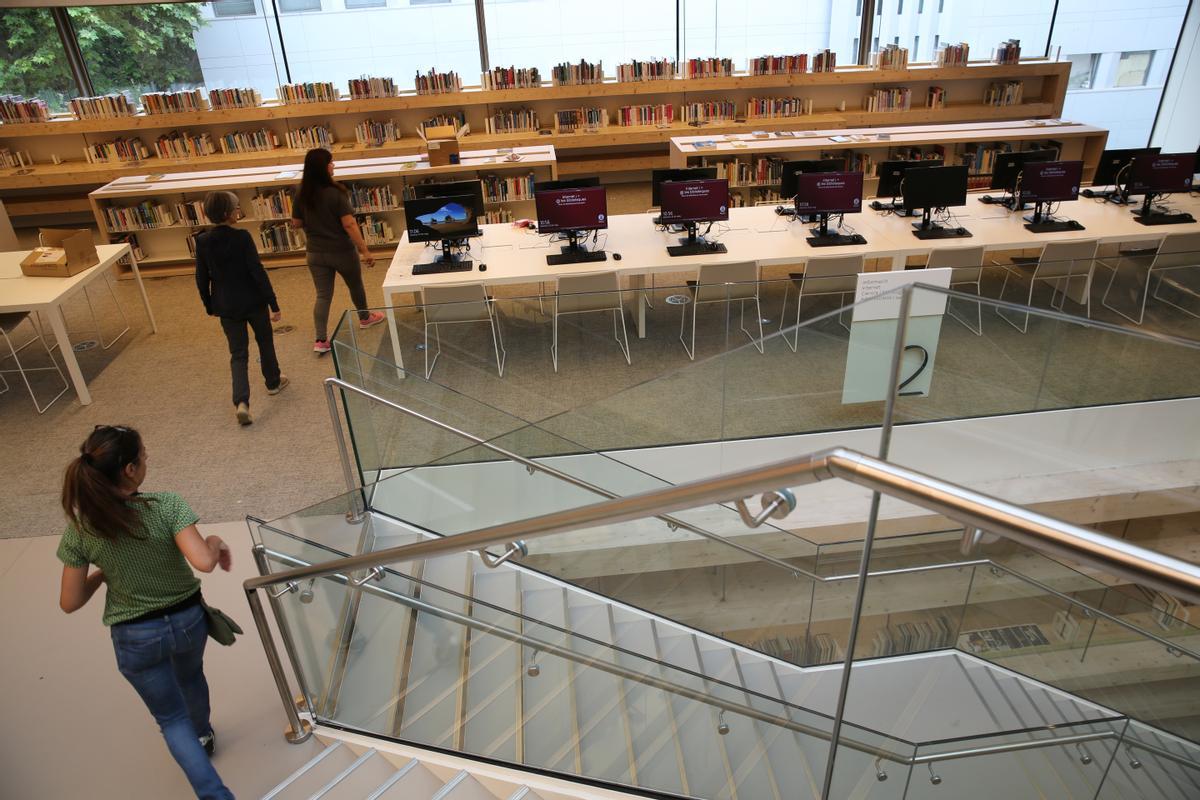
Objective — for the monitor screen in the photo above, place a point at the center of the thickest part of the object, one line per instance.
(1008, 166)
(695, 201)
(787, 186)
(891, 174)
(1051, 181)
(1112, 162)
(431, 219)
(571, 183)
(661, 176)
(1162, 174)
(829, 193)
(935, 187)
(449, 189)
(584, 209)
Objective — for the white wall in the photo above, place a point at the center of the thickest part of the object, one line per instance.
(1178, 128)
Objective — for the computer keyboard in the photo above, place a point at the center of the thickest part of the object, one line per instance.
(437, 268)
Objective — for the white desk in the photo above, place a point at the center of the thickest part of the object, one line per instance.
(19, 292)
(516, 255)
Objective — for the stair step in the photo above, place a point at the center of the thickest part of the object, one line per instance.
(599, 696)
(795, 758)
(357, 780)
(525, 793)
(745, 743)
(547, 708)
(493, 683)
(314, 774)
(463, 787)
(411, 782)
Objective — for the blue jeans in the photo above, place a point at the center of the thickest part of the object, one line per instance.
(164, 661)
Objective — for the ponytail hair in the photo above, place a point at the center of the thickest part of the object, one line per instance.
(93, 494)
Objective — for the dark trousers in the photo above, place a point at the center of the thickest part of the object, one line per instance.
(323, 267)
(239, 352)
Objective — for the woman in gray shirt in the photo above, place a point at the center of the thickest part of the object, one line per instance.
(323, 209)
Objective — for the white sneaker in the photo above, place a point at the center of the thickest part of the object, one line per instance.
(243, 414)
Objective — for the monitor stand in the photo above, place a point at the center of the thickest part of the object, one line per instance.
(1039, 222)
(821, 237)
(928, 229)
(1007, 200)
(894, 205)
(1148, 216)
(448, 261)
(572, 253)
(1116, 195)
(695, 245)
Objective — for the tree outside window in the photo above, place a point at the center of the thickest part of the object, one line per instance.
(32, 62)
(137, 48)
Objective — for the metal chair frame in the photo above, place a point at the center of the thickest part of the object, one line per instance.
(697, 286)
(621, 337)
(493, 320)
(23, 370)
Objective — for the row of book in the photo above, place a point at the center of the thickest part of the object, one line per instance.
(190, 213)
(757, 172)
(173, 102)
(913, 637)
(280, 237)
(954, 55)
(14, 158)
(898, 98)
(234, 98)
(496, 216)
(709, 68)
(511, 78)
(366, 88)
(504, 189)
(661, 70)
(184, 145)
(143, 216)
(272, 205)
(778, 65)
(935, 97)
(1007, 93)
(135, 247)
(15, 108)
(434, 82)
(103, 107)
(310, 137)
(376, 231)
(569, 120)
(320, 92)
(711, 111)
(257, 141)
(119, 149)
(824, 61)
(893, 56)
(646, 115)
(520, 119)
(365, 197)
(457, 119)
(771, 107)
(375, 133)
(566, 74)
(1008, 52)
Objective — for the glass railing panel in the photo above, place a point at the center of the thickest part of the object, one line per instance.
(857, 772)
(1150, 765)
(1007, 765)
(1134, 288)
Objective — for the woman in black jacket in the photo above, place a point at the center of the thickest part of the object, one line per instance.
(234, 286)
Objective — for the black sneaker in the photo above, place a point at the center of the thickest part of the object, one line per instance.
(209, 742)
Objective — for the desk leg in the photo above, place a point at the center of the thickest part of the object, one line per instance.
(59, 326)
(638, 284)
(137, 276)
(394, 333)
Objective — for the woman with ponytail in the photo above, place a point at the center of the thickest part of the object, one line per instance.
(142, 546)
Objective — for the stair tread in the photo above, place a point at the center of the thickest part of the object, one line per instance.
(333, 759)
(547, 706)
(599, 696)
(495, 669)
(416, 781)
(743, 743)
(366, 776)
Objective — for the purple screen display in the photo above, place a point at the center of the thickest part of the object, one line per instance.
(571, 209)
(1051, 181)
(1171, 172)
(695, 201)
(829, 193)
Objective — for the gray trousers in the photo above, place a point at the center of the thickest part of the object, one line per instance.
(323, 267)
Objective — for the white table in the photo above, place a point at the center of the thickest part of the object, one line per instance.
(517, 255)
(20, 292)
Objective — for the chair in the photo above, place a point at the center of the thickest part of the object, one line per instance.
(448, 305)
(8, 325)
(966, 264)
(1058, 265)
(822, 276)
(723, 283)
(1175, 251)
(585, 294)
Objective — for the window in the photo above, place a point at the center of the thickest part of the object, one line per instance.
(899, 6)
(941, 6)
(233, 8)
(920, 6)
(1083, 71)
(140, 48)
(916, 48)
(366, 3)
(856, 40)
(1134, 68)
(723, 28)
(937, 44)
(980, 25)
(292, 6)
(32, 62)
(858, 8)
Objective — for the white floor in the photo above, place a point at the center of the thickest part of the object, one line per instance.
(73, 728)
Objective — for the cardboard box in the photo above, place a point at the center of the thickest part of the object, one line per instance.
(442, 143)
(64, 252)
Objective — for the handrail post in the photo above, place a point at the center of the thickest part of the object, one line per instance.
(298, 730)
(864, 566)
(358, 504)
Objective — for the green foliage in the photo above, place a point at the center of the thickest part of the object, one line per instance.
(138, 48)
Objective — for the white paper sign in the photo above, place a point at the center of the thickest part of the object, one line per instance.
(873, 284)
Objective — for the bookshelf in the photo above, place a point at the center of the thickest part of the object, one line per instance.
(738, 154)
(836, 100)
(378, 185)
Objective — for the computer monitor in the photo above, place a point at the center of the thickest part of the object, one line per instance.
(449, 189)
(1050, 182)
(1007, 169)
(573, 212)
(570, 183)
(449, 220)
(1155, 175)
(825, 193)
(792, 169)
(690, 202)
(1114, 163)
(891, 175)
(660, 176)
(929, 188)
